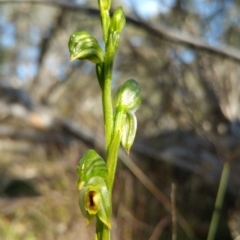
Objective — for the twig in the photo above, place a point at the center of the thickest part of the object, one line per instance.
(158, 229)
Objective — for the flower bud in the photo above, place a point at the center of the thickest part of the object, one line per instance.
(128, 96)
(129, 129)
(117, 24)
(83, 46)
(91, 165)
(127, 100)
(118, 21)
(104, 4)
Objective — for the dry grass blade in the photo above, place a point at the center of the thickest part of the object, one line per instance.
(155, 191)
(174, 212)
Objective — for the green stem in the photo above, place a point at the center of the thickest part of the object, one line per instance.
(112, 138)
(113, 149)
(219, 201)
(107, 104)
(111, 164)
(107, 96)
(106, 76)
(102, 231)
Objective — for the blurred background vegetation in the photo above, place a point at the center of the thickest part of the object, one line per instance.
(184, 54)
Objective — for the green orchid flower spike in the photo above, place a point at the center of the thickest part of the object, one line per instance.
(96, 176)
